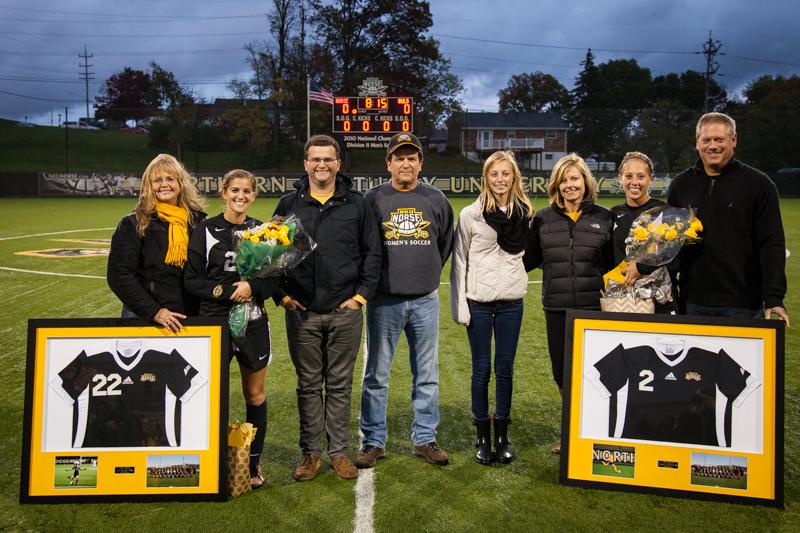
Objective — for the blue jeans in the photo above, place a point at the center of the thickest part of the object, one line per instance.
(504, 319)
(387, 317)
(730, 312)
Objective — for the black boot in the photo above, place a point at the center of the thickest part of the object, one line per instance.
(483, 441)
(501, 440)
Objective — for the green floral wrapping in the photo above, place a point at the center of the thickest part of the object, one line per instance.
(261, 259)
(265, 259)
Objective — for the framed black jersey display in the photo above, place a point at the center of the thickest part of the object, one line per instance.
(116, 409)
(686, 406)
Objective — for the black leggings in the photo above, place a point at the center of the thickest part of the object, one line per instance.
(556, 322)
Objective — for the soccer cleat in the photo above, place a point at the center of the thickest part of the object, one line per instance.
(431, 453)
(368, 456)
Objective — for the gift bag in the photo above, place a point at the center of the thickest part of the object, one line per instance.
(239, 438)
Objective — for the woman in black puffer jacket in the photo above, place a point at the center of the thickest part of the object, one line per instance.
(571, 241)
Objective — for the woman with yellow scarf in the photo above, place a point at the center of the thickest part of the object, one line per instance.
(150, 246)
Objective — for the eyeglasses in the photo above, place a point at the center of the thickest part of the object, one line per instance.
(318, 160)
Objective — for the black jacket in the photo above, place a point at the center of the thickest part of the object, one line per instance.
(137, 273)
(741, 259)
(347, 260)
(573, 255)
(624, 215)
(212, 259)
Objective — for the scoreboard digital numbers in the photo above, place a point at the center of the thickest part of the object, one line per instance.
(365, 114)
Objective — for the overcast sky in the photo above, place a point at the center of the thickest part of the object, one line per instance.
(487, 41)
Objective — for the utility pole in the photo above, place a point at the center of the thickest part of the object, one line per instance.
(86, 75)
(710, 50)
(66, 138)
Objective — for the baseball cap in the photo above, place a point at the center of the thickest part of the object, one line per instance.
(402, 139)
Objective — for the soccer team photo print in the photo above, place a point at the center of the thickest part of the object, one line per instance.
(685, 406)
(118, 410)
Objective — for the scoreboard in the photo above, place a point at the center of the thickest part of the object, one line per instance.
(366, 114)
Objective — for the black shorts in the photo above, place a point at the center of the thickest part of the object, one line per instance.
(254, 351)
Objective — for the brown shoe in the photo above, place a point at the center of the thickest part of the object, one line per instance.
(344, 467)
(307, 469)
(431, 453)
(368, 456)
(556, 449)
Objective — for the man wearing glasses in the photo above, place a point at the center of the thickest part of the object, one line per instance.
(323, 297)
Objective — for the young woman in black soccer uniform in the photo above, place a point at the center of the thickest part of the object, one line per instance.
(635, 177)
(149, 246)
(211, 275)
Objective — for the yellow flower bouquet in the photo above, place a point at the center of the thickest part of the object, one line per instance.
(266, 250)
(658, 234)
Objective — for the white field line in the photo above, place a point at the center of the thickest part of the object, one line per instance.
(363, 520)
(539, 282)
(788, 253)
(87, 276)
(53, 233)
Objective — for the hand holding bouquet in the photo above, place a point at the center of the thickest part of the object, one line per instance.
(655, 238)
(267, 250)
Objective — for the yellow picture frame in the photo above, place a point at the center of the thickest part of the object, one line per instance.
(682, 406)
(116, 409)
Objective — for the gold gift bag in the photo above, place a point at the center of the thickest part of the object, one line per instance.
(239, 438)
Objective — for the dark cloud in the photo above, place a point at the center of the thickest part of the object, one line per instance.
(201, 42)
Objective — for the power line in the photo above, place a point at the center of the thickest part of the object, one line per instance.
(559, 47)
(131, 36)
(36, 98)
(125, 15)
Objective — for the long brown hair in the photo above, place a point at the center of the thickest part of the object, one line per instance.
(517, 199)
(188, 197)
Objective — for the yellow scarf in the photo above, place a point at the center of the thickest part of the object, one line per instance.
(178, 220)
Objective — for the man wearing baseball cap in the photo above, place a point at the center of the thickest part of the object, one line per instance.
(415, 222)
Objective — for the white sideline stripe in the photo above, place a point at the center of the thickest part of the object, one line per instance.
(539, 282)
(51, 273)
(53, 233)
(363, 520)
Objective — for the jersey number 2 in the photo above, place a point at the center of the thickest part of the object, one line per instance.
(647, 376)
(106, 385)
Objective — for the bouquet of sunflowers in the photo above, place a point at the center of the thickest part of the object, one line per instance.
(267, 250)
(655, 238)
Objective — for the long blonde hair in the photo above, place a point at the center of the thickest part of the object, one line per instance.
(517, 199)
(188, 197)
(559, 174)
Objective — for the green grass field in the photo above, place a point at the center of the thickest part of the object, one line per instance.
(63, 478)
(410, 495)
(600, 469)
(172, 482)
(719, 482)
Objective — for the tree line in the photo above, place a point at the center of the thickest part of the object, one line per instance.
(614, 107)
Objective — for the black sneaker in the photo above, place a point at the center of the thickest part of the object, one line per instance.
(431, 453)
(368, 456)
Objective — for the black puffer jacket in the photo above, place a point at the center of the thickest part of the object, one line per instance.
(347, 260)
(573, 255)
(137, 273)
